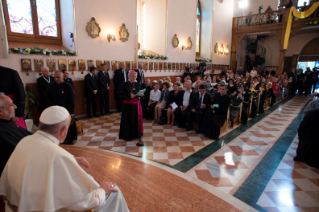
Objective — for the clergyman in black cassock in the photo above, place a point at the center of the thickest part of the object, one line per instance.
(215, 117)
(12, 86)
(66, 77)
(120, 76)
(307, 151)
(131, 126)
(10, 133)
(43, 83)
(61, 94)
(91, 86)
(140, 76)
(104, 88)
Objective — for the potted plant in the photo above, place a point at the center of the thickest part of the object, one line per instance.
(31, 105)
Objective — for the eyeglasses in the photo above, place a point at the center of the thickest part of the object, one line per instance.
(12, 105)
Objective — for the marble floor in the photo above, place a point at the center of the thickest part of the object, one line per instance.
(250, 166)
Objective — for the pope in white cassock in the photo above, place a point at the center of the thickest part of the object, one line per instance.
(41, 176)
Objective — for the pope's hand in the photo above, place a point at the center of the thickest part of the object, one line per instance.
(82, 162)
(108, 187)
(15, 119)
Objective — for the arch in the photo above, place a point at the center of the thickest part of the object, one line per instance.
(310, 52)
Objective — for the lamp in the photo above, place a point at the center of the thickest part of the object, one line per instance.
(184, 47)
(110, 37)
(226, 51)
(221, 49)
(216, 48)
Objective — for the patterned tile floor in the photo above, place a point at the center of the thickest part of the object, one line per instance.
(293, 187)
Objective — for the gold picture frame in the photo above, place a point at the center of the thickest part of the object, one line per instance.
(150, 66)
(62, 64)
(175, 41)
(72, 65)
(98, 64)
(93, 28)
(114, 65)
(38, 64)
(82, 65)
(165, 66)
(123, 33)
(160, 65)
(169, 66)
(90, 64)
(173, 66)
(26, 65)
(145, 66)
(177, 66)
(189, 44)
(134, 65)
(128, 65)
(156, 66)
(107, 64)
(51, 63)
(181, 66)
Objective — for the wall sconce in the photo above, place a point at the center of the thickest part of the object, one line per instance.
(184, 47)
(111, 37)
(226, 51)
(221, 49)
(216, 49)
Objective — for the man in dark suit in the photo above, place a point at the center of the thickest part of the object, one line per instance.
(199, 102)
(90, 81)
(66, 77)
(43, 83)
(294, 80)
(120, 76)
(104, 87)
(140, 77)
(181, 112)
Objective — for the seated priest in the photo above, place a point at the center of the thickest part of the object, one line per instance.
(199, 103)
(131, 126)
(307, 151)
(181, 112)
(61, 93)
(10, 133)
(216, 115)
(41, 176)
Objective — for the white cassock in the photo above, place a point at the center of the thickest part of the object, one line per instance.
(41, 176)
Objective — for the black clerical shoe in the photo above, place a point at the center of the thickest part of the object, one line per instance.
(97, 116)
(197, 131)
(188, 129)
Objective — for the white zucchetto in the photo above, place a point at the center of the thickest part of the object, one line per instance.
(54, 115)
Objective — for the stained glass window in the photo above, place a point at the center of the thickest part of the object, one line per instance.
(197, 34)
(47, 18)
(20, 16)
(198, 11)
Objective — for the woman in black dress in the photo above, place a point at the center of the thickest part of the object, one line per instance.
(263, 95)
(231, 87)
(173, 97)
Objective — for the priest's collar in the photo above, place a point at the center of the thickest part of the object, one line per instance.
(132, 82)
(4, 120)
(48, 136)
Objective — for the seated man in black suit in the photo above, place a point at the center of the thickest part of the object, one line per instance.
(181, 112)
(90, 81)
(199, 102)
(146, 99)
(104, 88)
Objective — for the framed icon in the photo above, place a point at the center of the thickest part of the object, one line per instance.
(150, 66)
(134, 65)
(62, 64)
(114, 65)
(156, 66)
(82, 65)
(140, 65)
(51, 63)
(160, 66)
(26, 65)
(90, 64)
(98, 64)
(72, 65)
(128, 65)
(108, 64)
(38, 64)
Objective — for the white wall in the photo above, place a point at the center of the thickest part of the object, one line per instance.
(222, 28)
(253, 6)
(206, 31)
(271, 45)
(155, 25)
(181, 20)
(297, 42)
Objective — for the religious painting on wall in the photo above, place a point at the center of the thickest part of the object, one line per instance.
(145, 66)
(134, 65)
(90, 64)
(62, 64)
(114, 65)
(160, 66)
(26, 65)
(72, 65)
(150, 66)
(181, 66)
(156, 66)
(165, 66)
(128, 65)
(98, 64)
(82, 66)
(38, 64)
(184, 65)
(169, 66)
(177, 66)
(51, 63)
(140, 65)
(173, 66)
(107, 64)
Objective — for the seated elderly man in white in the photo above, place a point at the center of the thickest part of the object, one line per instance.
(41, 176)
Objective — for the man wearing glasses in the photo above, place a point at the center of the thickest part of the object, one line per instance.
(10, 133)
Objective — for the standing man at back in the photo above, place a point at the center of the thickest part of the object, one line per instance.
(90, 81)
(43, 83)
(104, 88)
(120, 76)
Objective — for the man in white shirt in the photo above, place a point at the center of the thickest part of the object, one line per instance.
(155, 96)
(41, 176)
(181, 112)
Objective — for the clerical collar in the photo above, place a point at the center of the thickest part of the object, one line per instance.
(48, 136)
(223, 94)
(4, 120)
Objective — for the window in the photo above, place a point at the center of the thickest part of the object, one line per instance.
(198, 29)
(33, 21)
(301, 3)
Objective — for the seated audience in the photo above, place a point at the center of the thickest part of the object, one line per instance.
(175, 96)
(146, 99)
(236, 100)
(155, 96)
(41, 176)
(10, 133)
(162, 102)
(307, 151)
(199, 102)
(181, 112)
(216, 115)
(231, 88)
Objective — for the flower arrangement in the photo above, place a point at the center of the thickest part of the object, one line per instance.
(26, 51)
(46, 52)
(202, 60)
(15, 50)
(151, 56)
(71, 53)
(36, 50)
